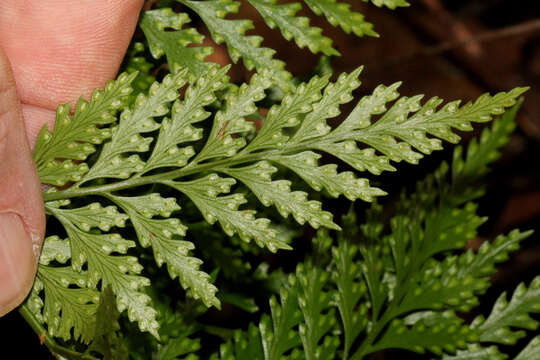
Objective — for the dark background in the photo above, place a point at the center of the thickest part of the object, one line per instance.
(451, 49)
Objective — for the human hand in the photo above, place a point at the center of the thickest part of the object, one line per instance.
(51, 52)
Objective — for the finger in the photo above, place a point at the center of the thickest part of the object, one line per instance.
(62, 49)
(34, 118)
(22, 219)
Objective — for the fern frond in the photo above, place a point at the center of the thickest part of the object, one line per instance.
(67, 309)
(476, 352)
(127, 137)
(350, 290)
(156, 25)
(531, 351)
(224, 209)
(339, 14)
(480, 153)
(258, 178)
(457, 281)
(393, 291)
(246, 346)
(232, 32)
(304, 303)
(434, 332)
(319, 316)
(108, 340)
(119, 272)
(496, 327)
(391, 4)
(277, 334)
(397, 123)
(177, 347)
(161, 235)
(294, 27)
(157, 143)
(74, 136)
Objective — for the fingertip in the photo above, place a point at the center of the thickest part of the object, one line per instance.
(22, 220)
(17, 262)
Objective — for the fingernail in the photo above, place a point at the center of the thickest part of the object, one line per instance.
(17, 262)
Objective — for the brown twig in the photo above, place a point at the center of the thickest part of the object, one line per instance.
(459, 30)
(487, 36)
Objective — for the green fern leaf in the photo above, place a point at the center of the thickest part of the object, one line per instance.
(476, 352)
(203, 192)
(177, 347)
(457, 280)
(435, 333)
(127, 138)
(293, 27)
(247, 346)
(230, 121)
(326, 177)
(178, 129)
(496, 328)
(350, 291)
(411, 130)
(339, 14)
(65, 308)
(277, 334)
(318, 319)
(74, 136)
(531, 351)
(116, 271)
(160, 234)
(257, 178)
(155, 144)
(480, 153)
(156, 25)
(391, 4)
(108, 340)
(231, 32)
(482, 264)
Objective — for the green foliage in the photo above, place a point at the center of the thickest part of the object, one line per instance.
(294, 27)
(167, 35)
(239, 45)
(339, 14)
(154, 142)
(108, 340)
(392, 291)
(174, 44)
(514, 313)
(391, 4)
(142, 174)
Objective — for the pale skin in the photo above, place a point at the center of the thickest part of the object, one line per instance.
(51, 52)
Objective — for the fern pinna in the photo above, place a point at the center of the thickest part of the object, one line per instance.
(385, 287)
(183, 49)
(113, 144)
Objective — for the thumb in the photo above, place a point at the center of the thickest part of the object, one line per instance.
(22, 219)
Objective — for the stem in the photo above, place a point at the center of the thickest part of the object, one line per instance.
(390, 313)
(364, 347)
(185, 171)
(47, 340)
(145, 180)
